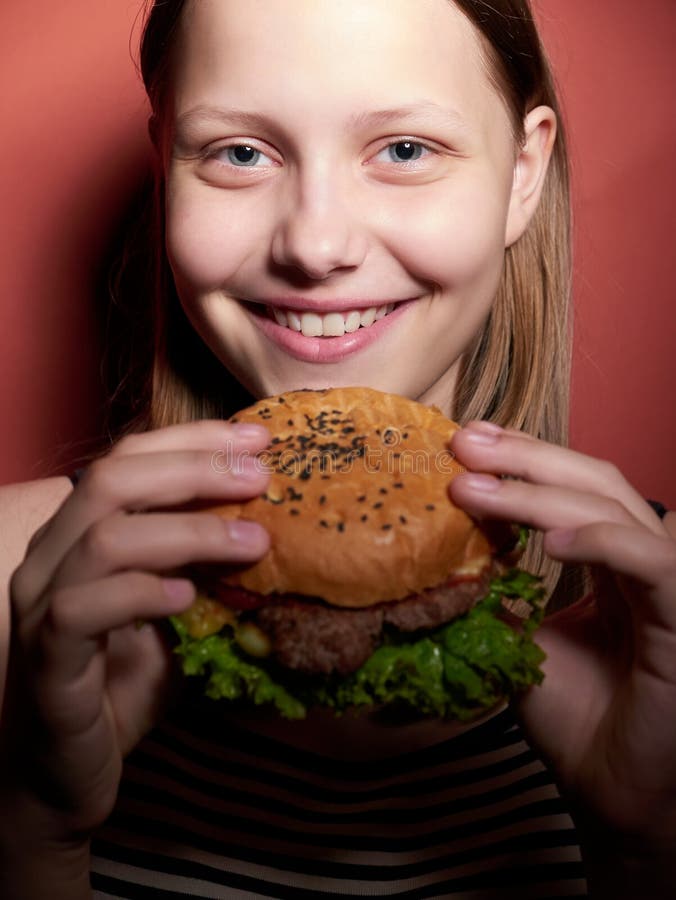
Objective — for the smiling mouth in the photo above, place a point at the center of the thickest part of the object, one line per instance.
(332, 324)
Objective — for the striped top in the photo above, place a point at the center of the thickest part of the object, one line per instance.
(236, 815)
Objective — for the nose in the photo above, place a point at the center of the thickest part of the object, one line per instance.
(318, 232)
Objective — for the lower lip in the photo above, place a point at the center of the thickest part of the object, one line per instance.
(324, 349)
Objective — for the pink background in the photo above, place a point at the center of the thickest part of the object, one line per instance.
(73, 149)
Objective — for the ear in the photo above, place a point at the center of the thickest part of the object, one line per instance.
(530, 170)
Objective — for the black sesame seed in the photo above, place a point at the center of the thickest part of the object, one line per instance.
(294, 511)
(323, 523)
(377, 505)
(322, 500)
(361, 499)
(403, 520)
(289, 421)
(398, 484)
(385, 527)
(341, 526)
(382, 491)
(430, 506)
(364, 517)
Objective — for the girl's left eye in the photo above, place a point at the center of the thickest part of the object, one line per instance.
(403, 152)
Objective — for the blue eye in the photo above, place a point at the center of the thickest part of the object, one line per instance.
(243, 155)
(405, 151)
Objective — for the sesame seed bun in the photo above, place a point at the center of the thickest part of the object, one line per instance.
(357, 507)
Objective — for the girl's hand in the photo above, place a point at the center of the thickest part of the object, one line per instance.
(85, 681)
(605, 715)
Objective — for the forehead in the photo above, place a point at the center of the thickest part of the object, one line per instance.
(332, 57)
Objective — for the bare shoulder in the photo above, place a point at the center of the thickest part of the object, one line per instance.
(24, 508)
(670, 523)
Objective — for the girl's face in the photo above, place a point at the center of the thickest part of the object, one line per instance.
(327, 162)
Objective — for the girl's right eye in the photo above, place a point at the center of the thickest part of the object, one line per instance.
(242, 156)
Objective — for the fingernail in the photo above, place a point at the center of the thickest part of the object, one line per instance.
(483, 483)
(179, 590)
(248, 469)
(243, 532)
(482, 432)
(250, 430)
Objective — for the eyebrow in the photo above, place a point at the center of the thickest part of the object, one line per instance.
(420, 112)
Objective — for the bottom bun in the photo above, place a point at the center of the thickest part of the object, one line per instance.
(457, 670)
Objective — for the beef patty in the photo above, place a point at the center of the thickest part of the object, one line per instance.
(317, 638)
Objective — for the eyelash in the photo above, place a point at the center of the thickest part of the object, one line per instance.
(405, 142)
(420, 147)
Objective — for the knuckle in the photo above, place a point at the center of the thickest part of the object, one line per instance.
(100, 480)
(209, 531)
(128, 444)
(142, 584)
(60, 615)
(618, 511)
(608, 472)
(101, 541)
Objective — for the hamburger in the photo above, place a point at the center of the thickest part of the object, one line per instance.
(377, 591)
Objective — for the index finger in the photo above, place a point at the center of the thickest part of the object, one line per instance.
(135, 481)
(192, 436)
(501, 452)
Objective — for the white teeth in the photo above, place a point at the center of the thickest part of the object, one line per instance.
(334, 325)
(353, 321)
(293, 319)
(368, 317)
(331, 324)
(311, 325)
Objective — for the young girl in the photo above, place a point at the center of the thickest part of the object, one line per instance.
(334, 158)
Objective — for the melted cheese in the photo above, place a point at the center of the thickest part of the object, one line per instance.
(206, 617)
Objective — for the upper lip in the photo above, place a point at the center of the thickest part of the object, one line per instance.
(336, 304)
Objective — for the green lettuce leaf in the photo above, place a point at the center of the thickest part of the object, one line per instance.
(458, 670)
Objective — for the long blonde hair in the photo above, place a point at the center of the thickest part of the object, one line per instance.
(517, 370)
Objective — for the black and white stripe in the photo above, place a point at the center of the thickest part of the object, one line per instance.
(475, 817)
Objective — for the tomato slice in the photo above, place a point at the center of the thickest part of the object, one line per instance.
(238, 597)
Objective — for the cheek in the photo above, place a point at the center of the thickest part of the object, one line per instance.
(206, 243)
(453, 240)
